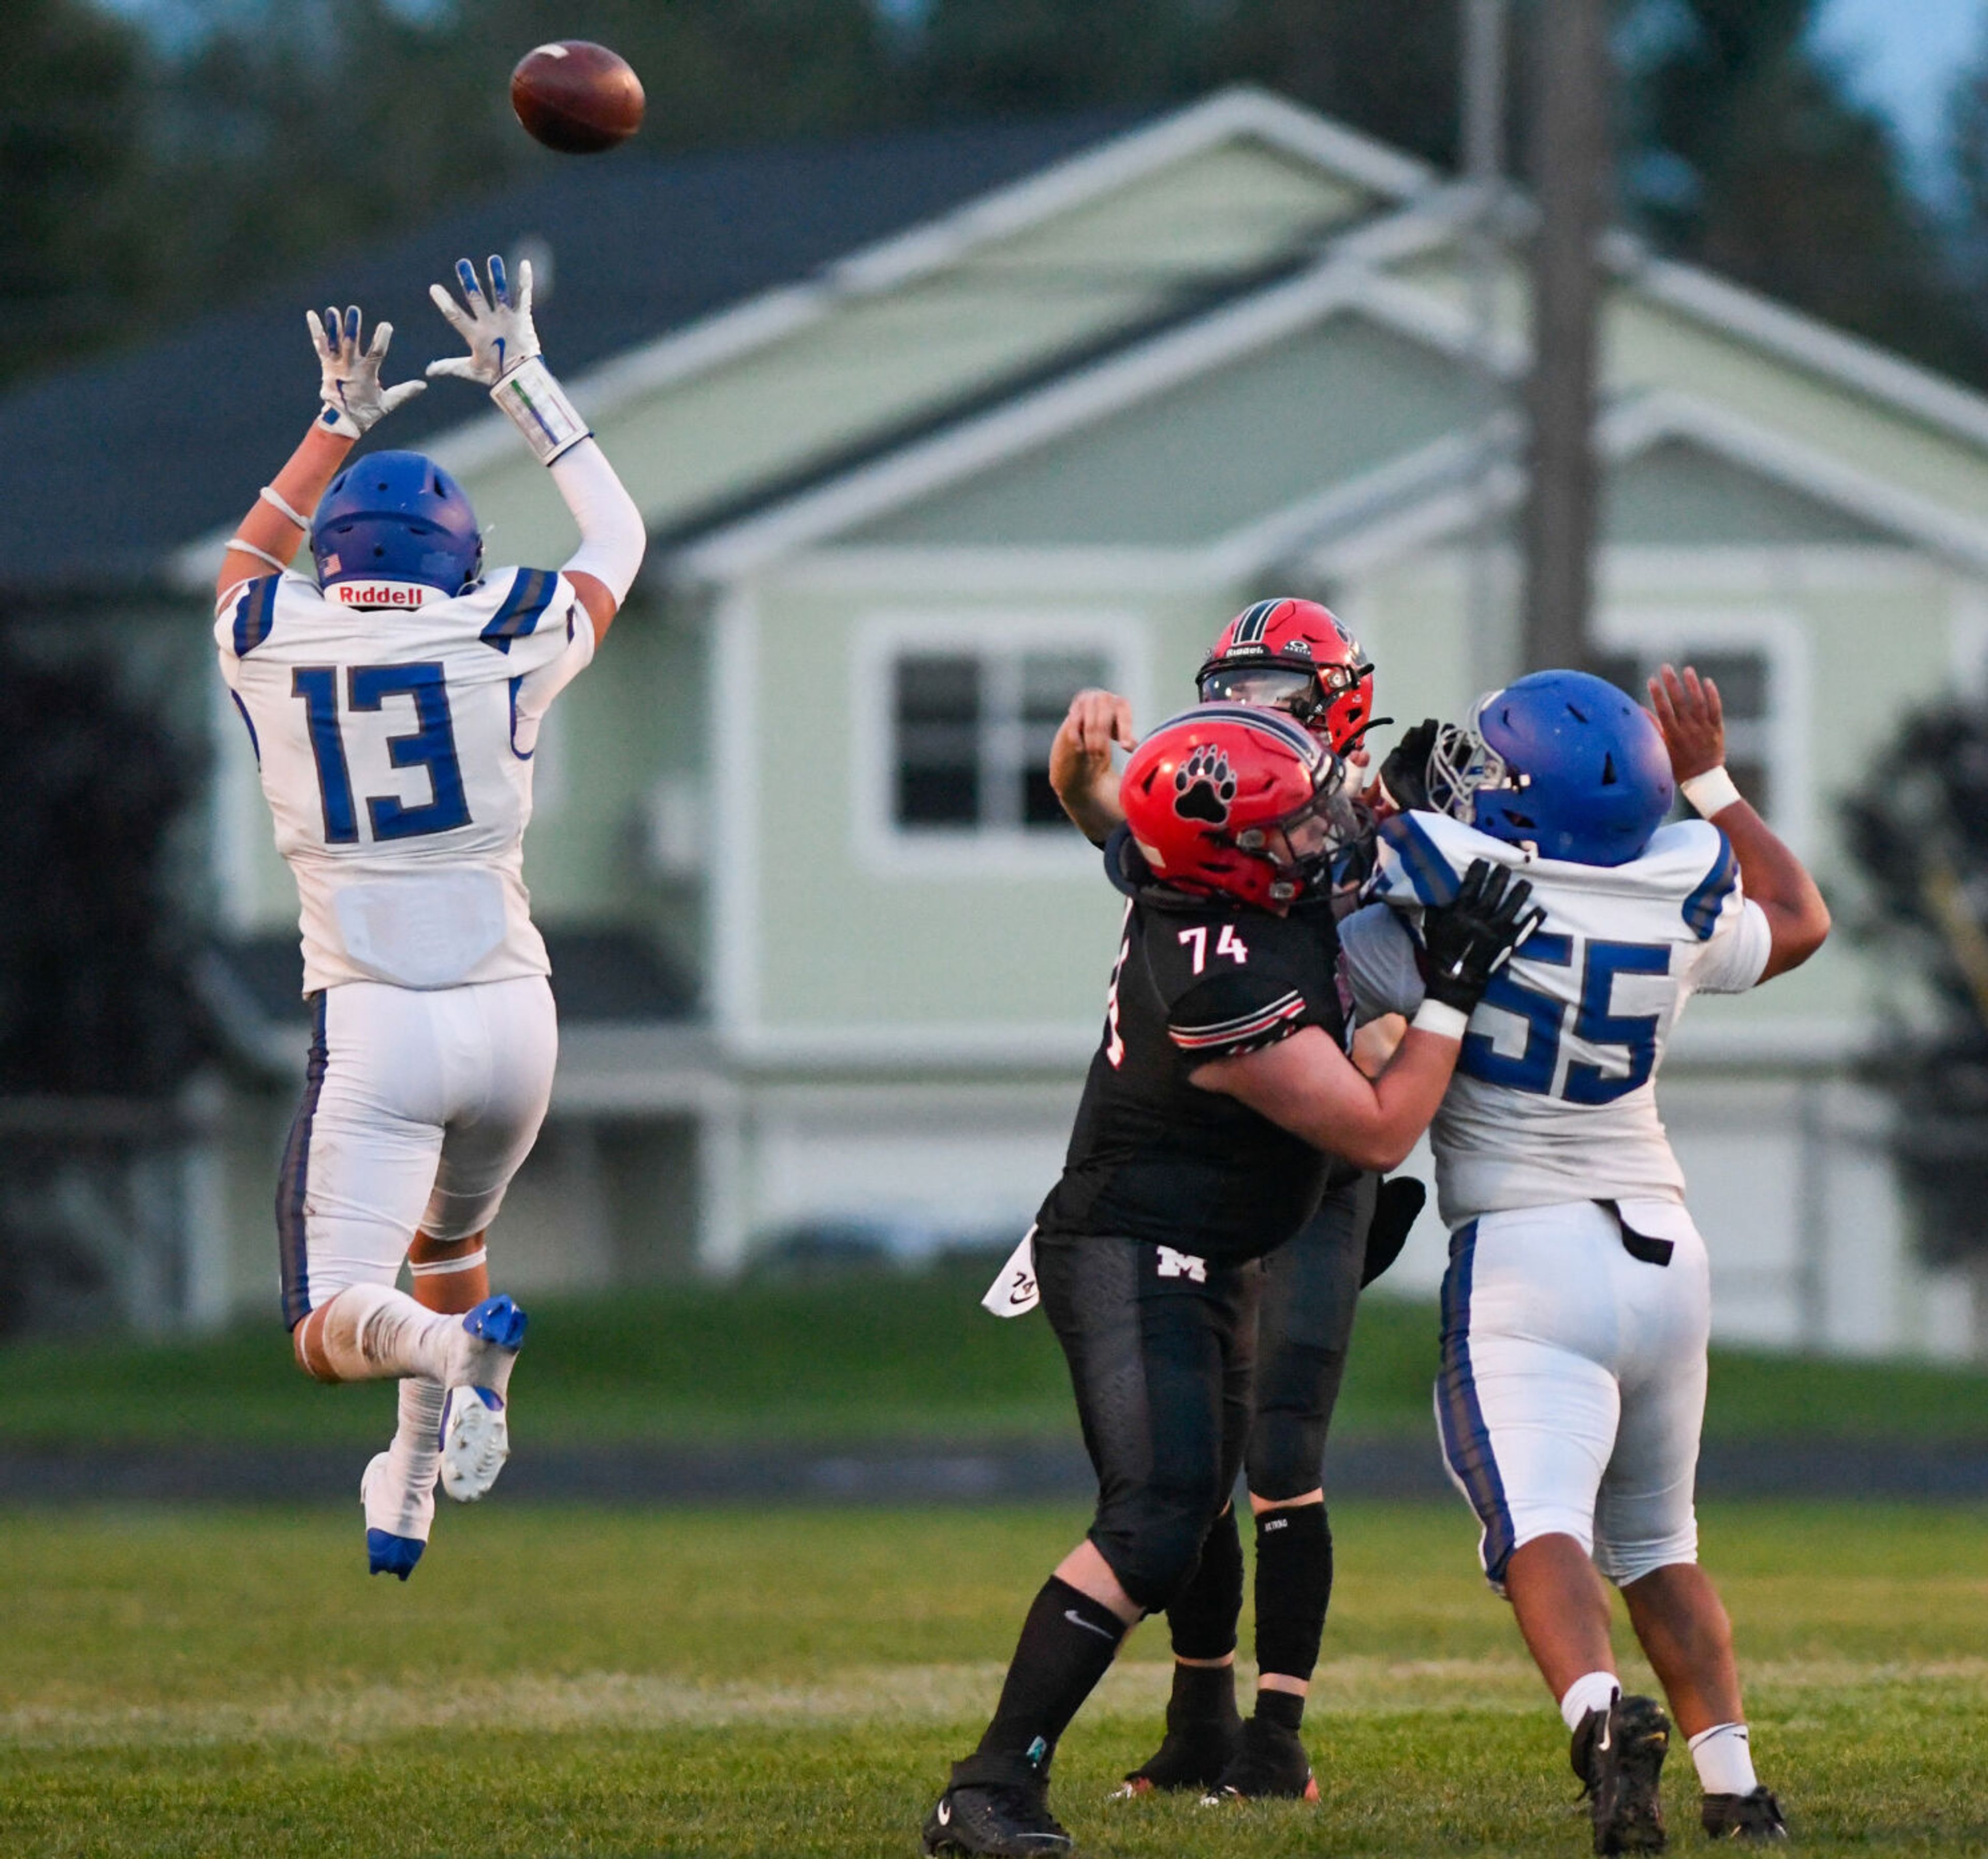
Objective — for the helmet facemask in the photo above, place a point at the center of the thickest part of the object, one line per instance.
(1303, 845)
(1462, 765)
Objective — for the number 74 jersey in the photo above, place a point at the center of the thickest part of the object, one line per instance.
(395, 750)
(1554, 1097)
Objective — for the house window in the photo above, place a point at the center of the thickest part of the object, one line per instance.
(1746, 680)
(971, 734)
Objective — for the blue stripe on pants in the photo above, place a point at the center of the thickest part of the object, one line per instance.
(292, 1182)
(1466, 1441)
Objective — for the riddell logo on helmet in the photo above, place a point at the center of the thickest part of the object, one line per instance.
(383, 593)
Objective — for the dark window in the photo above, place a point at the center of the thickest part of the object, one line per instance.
(972, 735)
(1049, 682)
(937, 716)
(1744, 679)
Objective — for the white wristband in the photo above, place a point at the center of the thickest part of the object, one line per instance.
(1445, 1022)
(1710, 793)
(536, 404)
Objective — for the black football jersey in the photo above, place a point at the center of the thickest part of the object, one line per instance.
(1153, 1156)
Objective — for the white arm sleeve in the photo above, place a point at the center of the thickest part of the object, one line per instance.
(612, 538)
(1381, 963)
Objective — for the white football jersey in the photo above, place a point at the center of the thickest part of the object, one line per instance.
(1554, 1097)
(395, 747)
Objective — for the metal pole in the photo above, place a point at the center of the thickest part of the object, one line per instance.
(1572, 179)
(1482, 92)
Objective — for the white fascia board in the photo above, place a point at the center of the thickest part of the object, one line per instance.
(1238, 112)
(1241, 111)
(1122, 381)
(1344, 279)
(1414, 478)
(1624, 432)
(1858, 364)
(1630, 429)
(1787, 333)
(1034, 571)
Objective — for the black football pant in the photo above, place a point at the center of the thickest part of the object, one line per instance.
(1311, 1286)
(1160, 1345)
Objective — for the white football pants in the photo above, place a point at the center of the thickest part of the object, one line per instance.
(1573, 1382)
(419, 1105)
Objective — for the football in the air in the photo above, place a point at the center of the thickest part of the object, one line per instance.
(576, 97)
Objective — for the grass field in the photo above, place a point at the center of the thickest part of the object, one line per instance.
(758, 1682)
(861, 1357)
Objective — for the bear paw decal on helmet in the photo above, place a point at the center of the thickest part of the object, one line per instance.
(1204, 786)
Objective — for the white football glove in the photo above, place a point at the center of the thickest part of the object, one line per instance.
(498, 329)
(354, 402)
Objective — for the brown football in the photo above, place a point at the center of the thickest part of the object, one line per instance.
(576, 97)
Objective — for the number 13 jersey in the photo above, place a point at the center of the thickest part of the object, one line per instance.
(1554, 1097)
(395, 750)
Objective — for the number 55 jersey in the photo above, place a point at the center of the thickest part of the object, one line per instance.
(1554, 1097)
(395, 750)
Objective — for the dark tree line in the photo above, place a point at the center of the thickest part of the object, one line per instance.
(1919, 832)
(144, 174)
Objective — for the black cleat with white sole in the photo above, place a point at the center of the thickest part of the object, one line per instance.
(1753, 1819)
(1012, 1823)
(997, 1805)
(1618, 1753)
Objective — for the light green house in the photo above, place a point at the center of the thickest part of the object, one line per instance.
(1057, 438)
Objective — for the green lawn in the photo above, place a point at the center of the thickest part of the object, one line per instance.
(750, 1682)
(863, 1356)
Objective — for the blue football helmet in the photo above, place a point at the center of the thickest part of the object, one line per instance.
(1560, 761)
(397, 516)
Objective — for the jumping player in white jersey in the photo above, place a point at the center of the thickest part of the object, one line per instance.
(1577, 1304)
(393, 698)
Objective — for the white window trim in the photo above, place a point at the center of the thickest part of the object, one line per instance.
(1778, 635)
(881, 845)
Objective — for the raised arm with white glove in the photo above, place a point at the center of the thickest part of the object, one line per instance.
(355, 402)
(504, 357)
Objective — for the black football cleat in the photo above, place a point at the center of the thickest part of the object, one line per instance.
(1618, 1753)
(996, 1805)
(1192, 1755)
(1754, 1818)
(1271, 1766)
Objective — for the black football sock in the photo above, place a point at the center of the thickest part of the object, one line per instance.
(1202, 1618)
(1067, 1644)
(1285, 1708)
(1202, 1694)
(1293, 1589)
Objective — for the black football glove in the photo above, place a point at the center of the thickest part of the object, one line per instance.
(1405, 774)
(1469, 939)
(1396, 1203)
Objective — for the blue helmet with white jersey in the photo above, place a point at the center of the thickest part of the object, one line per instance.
(1560, 761)
(398, 520)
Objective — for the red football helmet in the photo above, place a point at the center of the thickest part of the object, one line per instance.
(1295, 656)
(1237, 800)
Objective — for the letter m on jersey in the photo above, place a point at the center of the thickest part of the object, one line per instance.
(1182, 1265)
